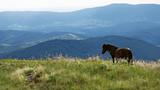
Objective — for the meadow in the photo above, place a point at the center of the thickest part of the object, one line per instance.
(78, 74)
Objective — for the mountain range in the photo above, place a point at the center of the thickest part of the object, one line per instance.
(88, 18)
(100, 21)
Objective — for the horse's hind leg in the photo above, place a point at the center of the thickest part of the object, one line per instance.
(129, 61)
(132, 61)
(116, 60)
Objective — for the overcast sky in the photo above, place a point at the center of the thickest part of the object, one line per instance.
(61, 5)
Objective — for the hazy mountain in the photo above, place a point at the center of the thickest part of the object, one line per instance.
(141, 20)
(86, 48)
(88, 18)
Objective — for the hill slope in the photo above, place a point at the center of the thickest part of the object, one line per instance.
(76, 74)
(86, 48)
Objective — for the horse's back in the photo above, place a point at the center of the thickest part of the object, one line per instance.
(123, 53)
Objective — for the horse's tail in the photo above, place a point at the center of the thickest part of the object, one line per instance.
(131, 57)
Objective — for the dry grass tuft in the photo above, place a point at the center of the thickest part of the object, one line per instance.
(147, 64)
(29, 74)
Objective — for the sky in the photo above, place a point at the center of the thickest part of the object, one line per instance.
(62, 5)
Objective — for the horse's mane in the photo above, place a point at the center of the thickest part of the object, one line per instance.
(111, 46)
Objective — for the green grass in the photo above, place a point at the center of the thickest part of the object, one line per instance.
(71, 74)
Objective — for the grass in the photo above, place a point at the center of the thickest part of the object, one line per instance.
(75, 74)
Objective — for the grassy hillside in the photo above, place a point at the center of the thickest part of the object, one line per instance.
(75, 74)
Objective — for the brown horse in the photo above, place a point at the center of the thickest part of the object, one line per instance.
(117, 53)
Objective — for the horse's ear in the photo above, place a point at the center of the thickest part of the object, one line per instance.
(104, 45)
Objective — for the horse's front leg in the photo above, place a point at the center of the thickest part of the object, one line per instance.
(113, 59)
(129, 61)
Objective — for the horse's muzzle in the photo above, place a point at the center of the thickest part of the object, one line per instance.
(103, 52)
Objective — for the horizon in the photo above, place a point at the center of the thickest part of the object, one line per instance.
(78, 9)
(63, 5)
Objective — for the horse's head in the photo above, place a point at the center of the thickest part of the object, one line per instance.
(107, 47)
(104, 48)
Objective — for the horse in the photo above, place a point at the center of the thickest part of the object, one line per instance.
(118, 53)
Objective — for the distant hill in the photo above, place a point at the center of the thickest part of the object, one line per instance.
(140, 21)
(87, 48)
(11, 40)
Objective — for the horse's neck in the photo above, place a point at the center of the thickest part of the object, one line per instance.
(113, 50)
